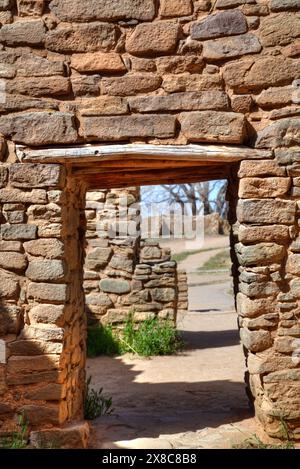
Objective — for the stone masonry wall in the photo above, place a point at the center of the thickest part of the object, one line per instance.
(145, 71)
(122, 273)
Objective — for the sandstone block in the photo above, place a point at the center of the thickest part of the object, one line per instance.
(9, 285)
(114, 286)
(121, 263)
(283, 133)
(13, 261)
(257, 289)
(15, 103)
(250, 74)
(16, 232)
(152, 39)
(10, 320)
(48, 392)
(242, 104)
(39, 87)
(89, 37)
(175, 8)
(48, 292)
(98, 62)
(179, 64)
(98, 258)
(41, 414)
(234, 46)
(293, 264)
(8, 246)
(283, 375)
(232, 3)
(47, 332)
(47, 314)
(98, 299)
(262, 253)
(186, 82)
(23, 33)
(256, 234)
(130, 85)
(30, 7)
(85, 85)
(89, 10)
(225, 23)
(39, 128)
(163, 294)
(264, 187)
(260, 168)
(256, 341)
(216, 100)
(252, 307)
(49, 248)
(74, 436)
(275, 97)
(103, 106)
(30, 65)
(36, 175)
(266, 211)
(123, 127)
(213, 126)
(280, 29)
(282, 5)
(32, 364)
(46, 270)
(34, 347)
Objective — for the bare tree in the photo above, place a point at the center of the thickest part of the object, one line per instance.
(203, 197)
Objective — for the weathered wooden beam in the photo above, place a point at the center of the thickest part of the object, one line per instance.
(95, 153)
(143, 178)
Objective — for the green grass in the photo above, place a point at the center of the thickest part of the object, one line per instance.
(219, 261)
(151, 338)
(101, 341)
(95, 403)
(181, 256)
(19, 438)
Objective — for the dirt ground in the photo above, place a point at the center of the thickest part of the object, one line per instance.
(195, 399)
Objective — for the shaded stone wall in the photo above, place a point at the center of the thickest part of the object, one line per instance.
(123, 273)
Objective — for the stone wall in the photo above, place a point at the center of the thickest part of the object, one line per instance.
(123, 273)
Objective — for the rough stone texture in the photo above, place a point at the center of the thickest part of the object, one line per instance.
(213, 126)
(130, 85)
(226, 23)
(98, 62)
(266, 211)
(263, 187)
(235, 46)
(25, 33)
(280, 29)
(153, 39)
(283, 133)
(175, 8)
(77, 11)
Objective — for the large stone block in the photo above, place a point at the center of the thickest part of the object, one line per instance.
(280, 29)
(130, 85)
(16, 196)
(98, 62)
(215, 100)
(17, 232)
(48, 392)
(258, 289)
(114, 286)
(179, 64)
(121, 263)
(38, 415)
(23, 33)
(260, 168)
(262, 253)
(103, 106)
(32, 364)
(256, 234)
(30, 65)
(150, 39)
(188, 82)
(13, 261)
(275, 97)
(259, 73)
(230, 47)
(39, 128)
(36, 175)
(124, 127)
(98, 258)
(9, 285)
(39, 86)
(99, 299)
(256, 341)
(46, 270)
(90, 37)
(175, 8)
(293, 264)
(253, 307)
(283, 133)
(32, 347)
(266, 211)
(213, 126)
(225, 23)
(89, 10)
(49, 248)
(47, 314)
(46, 332)
(163, 294)
(264, 187)
(74, 436)
(283, 5)
(48, 292)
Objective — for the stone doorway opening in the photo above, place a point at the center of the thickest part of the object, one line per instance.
(194, 399)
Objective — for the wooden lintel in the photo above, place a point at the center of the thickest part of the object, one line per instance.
(95, 153)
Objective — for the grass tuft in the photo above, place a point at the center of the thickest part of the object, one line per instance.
(95, 403)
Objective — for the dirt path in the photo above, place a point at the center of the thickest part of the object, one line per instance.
(195, 399)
